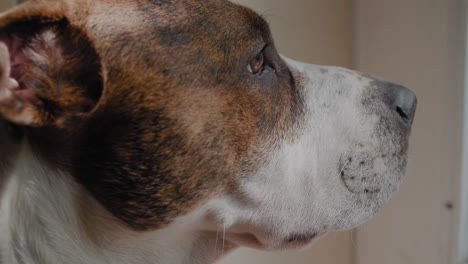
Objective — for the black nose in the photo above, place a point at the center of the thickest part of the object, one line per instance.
(404, 103)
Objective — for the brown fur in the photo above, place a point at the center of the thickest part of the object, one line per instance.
(160, 115)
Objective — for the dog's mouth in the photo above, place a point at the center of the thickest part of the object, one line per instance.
(270, 242)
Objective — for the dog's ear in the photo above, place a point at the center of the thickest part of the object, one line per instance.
(49, 70)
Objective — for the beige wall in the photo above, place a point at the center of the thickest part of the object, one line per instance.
(4, 4)
(320, 32)
(417, 43)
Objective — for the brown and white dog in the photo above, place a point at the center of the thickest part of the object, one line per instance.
(171, 131)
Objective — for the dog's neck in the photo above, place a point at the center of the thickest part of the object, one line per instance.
(46, 217)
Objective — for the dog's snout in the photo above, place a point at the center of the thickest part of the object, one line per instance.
(403, 101)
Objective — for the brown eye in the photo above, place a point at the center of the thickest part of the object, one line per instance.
(257, 64)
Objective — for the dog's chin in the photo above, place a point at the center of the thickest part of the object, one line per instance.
(273, 243)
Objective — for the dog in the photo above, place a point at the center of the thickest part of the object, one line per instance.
(172, 131)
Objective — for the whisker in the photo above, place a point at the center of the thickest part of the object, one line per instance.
(216, 241)
(343, 167)
(224, 238)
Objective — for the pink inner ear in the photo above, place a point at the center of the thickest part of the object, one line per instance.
(51, 64)
(12, 61)
(6, 80)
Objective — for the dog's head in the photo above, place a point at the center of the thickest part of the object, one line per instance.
(167, 109)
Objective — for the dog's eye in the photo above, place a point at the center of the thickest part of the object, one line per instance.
(257, 64)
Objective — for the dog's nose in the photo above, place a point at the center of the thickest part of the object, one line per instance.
(403, 101)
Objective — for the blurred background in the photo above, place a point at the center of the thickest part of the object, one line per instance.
(422, 45)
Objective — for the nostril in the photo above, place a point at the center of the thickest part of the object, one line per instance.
(402, 114)
(403, 102)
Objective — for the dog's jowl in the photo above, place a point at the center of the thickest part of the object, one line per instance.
(138, 131)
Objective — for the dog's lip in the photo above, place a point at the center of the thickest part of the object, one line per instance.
(300, 238)
(271, 242)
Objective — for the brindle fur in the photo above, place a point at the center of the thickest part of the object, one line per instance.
(168, 115)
